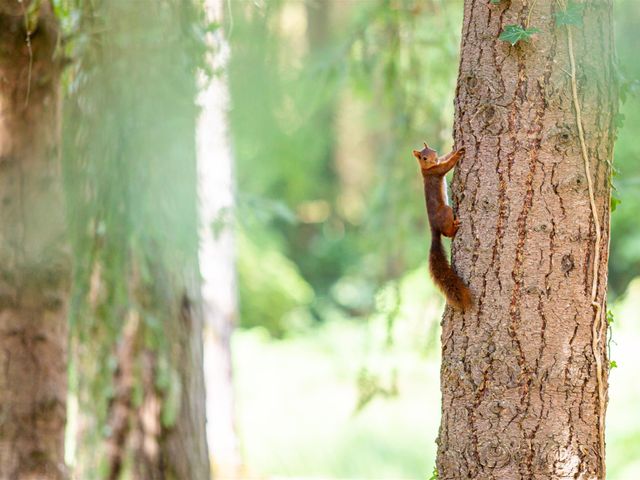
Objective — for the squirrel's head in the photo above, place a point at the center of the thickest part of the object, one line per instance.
(426, 157)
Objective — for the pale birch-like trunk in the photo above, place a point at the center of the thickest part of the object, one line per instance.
(217, 256)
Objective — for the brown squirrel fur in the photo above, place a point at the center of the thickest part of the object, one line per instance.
(442, 222)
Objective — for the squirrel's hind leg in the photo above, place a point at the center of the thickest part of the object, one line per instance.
(451, 224)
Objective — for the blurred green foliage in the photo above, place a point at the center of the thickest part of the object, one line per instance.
(343, 203)
(624, 263)
(274, 284)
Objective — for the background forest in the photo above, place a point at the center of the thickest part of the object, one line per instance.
(255, 155)
(336, 358)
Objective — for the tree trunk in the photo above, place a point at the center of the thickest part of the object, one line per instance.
(216, 192)
(524, 372)
(33, 264)
(131, 177)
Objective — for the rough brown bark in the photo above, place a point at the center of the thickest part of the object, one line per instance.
(33, 264)
(521, 393)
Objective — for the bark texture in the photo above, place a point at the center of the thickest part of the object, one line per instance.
(522, 394)
(33, 264)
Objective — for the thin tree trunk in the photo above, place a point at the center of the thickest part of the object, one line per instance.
(524, 373)
(34, 267)
(217, 257)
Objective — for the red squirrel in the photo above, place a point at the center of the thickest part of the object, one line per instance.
(442, 222)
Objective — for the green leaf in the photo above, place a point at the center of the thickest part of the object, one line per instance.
(614, 203)
(571, 16)
(514, 33)
(496, 2)
(613, 364)
(434, 475)
(609, 317)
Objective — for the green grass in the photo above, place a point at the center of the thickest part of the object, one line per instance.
(297, 406)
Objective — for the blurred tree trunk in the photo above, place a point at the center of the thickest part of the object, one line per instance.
(34, 266)
(216, 192)
(131, 179)
(183, 443)
(319, 37)
(524, 373)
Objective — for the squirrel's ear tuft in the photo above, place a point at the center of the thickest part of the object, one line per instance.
(416, 154)
(425, 145)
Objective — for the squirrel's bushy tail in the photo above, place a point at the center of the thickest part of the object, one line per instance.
(445, 278)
